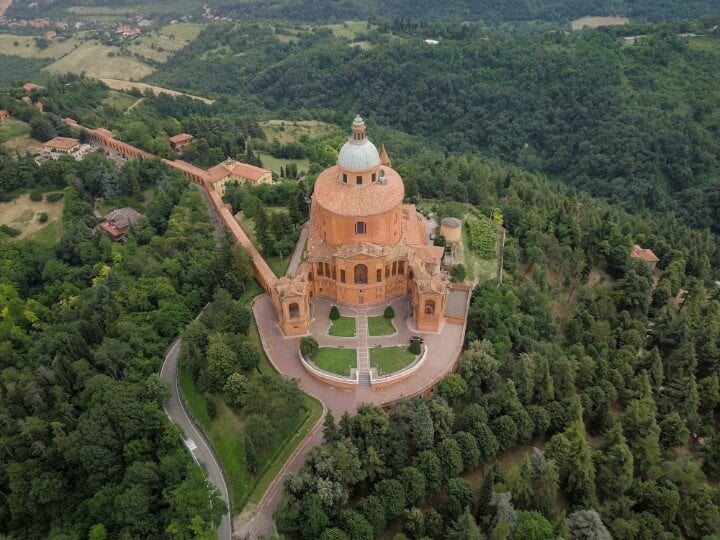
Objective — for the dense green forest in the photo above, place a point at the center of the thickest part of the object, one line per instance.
(487, 11)
(614, 384)
(637, 124)
(86, 446)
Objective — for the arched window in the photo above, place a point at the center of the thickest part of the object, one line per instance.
(294, 310)
(374, 177)
(361, 274)
(429, 307)
(360, 227)
(344, 178)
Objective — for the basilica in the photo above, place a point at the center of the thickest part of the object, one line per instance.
(365, 247)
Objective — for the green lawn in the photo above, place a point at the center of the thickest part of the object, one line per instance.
(49, 234)
(390, 359)
(380, 326)
(343, 327)
(138, 203)
(277, 265)
(119, 100)
(339, 361)
(274, 164)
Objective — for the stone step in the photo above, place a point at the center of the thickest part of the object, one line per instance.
(364, 379)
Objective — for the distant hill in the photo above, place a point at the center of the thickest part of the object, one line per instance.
(488, 11)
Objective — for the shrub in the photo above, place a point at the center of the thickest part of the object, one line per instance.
(389, 312)
(10, 231)
(458, 273)
(210, 405)
(334, 313)
(414, 347)
(482, 237)
(54, 197)
(36, 195)
(308, 346)
(42, 217)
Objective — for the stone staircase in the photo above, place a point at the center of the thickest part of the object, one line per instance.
(363, 355)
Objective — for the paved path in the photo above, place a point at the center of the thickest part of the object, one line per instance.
(296, 257)
(194, 440)
(443, 349)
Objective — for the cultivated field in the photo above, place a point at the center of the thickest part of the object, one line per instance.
(93, 59)
(21, 213)
(25, 46)
(15, 135)
(160, 45)
(595, 22)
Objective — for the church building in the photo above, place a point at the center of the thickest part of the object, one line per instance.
(365, 247)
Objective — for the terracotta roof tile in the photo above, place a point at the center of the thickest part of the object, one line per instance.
(351, 200)
(646, 255)
(61, 143)
(183, 137)
(244, 170)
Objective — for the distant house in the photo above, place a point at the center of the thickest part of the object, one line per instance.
(118, 222)
(178, 142)
(645, 255)
(230, 171)
(4, 115)
(65, 145)
(29, 87)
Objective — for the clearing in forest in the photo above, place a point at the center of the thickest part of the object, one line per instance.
(22, 214)
(595, 22)
(287, 131)
(98, 61)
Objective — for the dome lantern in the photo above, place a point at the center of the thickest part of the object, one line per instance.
(358, 154)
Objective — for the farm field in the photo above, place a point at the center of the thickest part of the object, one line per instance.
(119, 100)
(93, 59)
(15, 136)
(161, 44)
(348, 29)
(27, 48)
(705, 43)
(21, 214)
(11, 129)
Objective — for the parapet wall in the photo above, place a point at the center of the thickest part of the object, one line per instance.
(263, 273)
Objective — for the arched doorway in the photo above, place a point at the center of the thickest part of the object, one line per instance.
(429, 307)
(294, 310)
(361, 276)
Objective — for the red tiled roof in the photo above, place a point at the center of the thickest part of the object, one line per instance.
(104, 132)
(646, 255)
(244, 170)
(112, 230)
(29, 87)
(351, 200)
(183, 137)
(61, 143)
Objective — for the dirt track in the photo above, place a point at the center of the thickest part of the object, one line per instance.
(117, 84)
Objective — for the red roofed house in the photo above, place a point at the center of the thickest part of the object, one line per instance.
(233, 171)
(118, 222)
(4, 115)
(179, 141)
(29, 87)
(646, 255)
(65, 145)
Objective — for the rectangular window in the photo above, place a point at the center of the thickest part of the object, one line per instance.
(394, 270)
(378, 278)
(387, 271)
(327, 269)
(374, 177)
(342, 276)
(360, 227)
(320, 269)
(401, 267)
(358, 180)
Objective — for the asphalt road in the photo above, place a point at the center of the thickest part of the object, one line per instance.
(194, 440)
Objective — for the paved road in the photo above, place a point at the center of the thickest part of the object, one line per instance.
(194, 440)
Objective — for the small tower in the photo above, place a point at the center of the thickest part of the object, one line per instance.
(384, 158)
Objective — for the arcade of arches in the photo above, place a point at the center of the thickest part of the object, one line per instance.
(364, 245)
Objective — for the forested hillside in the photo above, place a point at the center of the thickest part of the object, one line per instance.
(637, 124)
(87, 450)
